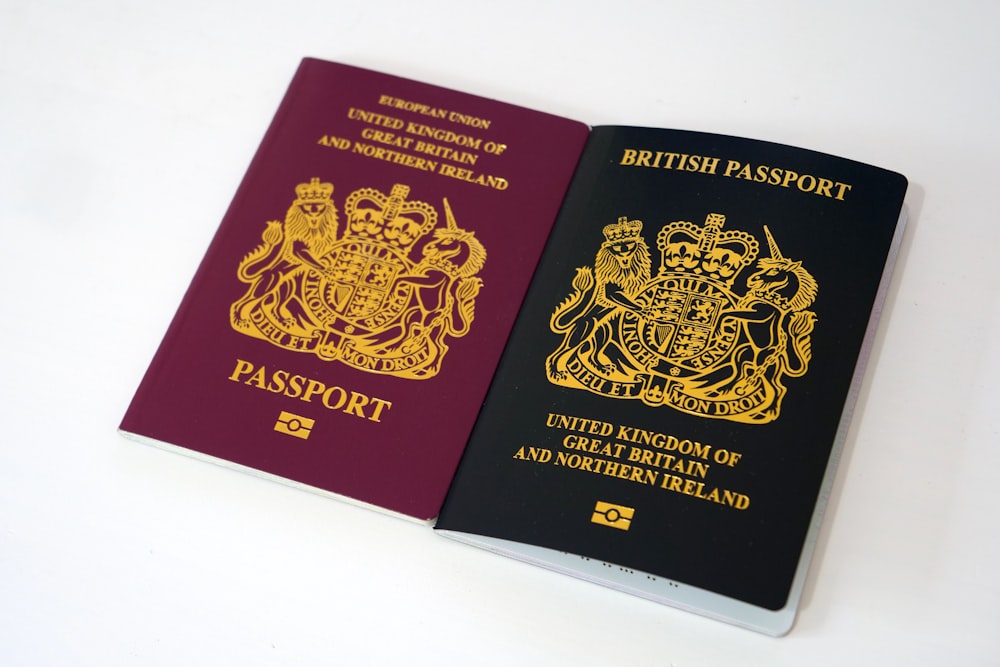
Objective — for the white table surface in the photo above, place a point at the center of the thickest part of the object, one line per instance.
(125, 128)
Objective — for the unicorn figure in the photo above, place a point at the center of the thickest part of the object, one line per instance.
(774, 336)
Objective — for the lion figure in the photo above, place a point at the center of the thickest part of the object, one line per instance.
(286, 252)
(621, 269)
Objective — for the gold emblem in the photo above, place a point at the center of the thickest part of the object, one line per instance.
(615, 516)
(294, 425)
(378, 296)
(684, 337)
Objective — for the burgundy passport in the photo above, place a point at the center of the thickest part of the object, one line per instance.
(346, 321)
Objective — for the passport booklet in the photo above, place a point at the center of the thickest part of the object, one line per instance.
(344, 324)
(670, 408)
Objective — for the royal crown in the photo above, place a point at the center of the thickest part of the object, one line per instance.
(391, 219)
(623, 230)
(705, 250)
(314, 190)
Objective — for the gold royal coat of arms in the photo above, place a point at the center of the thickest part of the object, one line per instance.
(376, 296)
(684, 337)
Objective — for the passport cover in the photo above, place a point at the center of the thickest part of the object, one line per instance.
(343, 327)
(670, 408)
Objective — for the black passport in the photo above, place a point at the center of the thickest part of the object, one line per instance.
(670, 407)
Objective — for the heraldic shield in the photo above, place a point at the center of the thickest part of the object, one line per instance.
(383, 295)
(684, 337)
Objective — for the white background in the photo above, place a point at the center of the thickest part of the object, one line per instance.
(125, 128)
